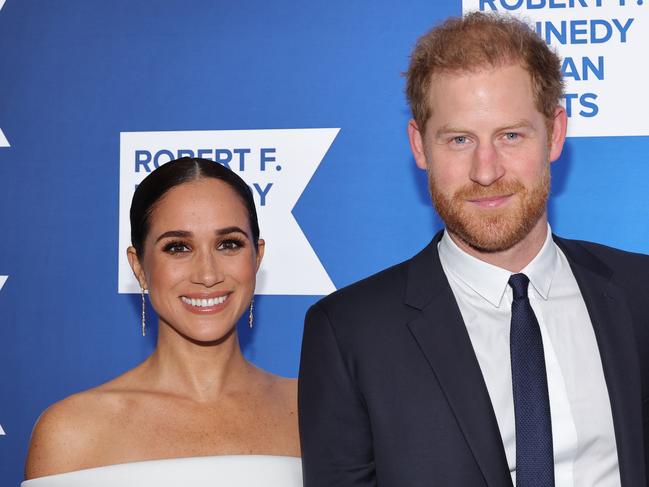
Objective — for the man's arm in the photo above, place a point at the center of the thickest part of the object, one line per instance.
(334, 425)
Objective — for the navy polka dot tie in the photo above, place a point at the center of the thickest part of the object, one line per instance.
(534, 459)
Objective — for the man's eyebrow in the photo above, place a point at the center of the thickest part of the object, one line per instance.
(449, 129)
(520, 124)
(174, 233)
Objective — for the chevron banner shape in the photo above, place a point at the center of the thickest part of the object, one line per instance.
(3, 140)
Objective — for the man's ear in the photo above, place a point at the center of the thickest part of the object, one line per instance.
(416, 139)
(134, 262)
(559, 130)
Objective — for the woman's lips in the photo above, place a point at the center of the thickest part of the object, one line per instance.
(205, 304)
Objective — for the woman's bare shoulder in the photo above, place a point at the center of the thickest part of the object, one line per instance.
(287, 387)
(68, 432)
(280, 405)
(282, 387)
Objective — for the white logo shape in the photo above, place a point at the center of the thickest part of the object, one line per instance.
(3, 140)
(3, 279)
(276, 164)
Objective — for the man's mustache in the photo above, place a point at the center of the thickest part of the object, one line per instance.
(475, 191)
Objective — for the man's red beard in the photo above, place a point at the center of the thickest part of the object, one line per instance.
(492, 229)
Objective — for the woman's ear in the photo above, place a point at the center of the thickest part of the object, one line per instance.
(261, 246)
(134, 262)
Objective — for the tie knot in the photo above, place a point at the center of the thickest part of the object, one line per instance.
(519, 283)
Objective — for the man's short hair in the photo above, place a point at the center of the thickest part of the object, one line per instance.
(475, 42)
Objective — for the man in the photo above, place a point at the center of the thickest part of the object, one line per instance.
(499, 355)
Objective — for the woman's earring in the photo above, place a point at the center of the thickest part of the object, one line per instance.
(250, 317)
(143, 314)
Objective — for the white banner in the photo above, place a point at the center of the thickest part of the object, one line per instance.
(276, 164)
(3, 279)
(603, 44)
(3, 140)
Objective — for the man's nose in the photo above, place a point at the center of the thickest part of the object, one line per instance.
(486, 166)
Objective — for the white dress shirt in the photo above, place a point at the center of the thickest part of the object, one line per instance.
(585, 453)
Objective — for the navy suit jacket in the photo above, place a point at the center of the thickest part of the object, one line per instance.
(391, 393)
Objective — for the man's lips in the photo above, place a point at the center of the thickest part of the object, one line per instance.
(491, 201)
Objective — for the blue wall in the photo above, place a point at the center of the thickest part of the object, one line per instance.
(75, 74)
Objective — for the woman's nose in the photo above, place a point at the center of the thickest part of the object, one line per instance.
(207, 270)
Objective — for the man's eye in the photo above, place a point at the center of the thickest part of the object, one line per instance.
(511, 136)
(175, 248)
(460, 139)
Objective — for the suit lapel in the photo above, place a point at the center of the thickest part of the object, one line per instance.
(611, 319)
(444, 341)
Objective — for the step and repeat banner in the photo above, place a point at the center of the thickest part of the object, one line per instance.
(305, 101)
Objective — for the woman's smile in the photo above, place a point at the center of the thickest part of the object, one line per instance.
(205, 304)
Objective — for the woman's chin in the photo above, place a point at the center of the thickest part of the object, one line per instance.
(206, 333)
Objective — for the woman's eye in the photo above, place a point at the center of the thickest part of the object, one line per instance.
(230, 244)
(176, 248)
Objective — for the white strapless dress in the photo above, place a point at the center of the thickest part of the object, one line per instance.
(215, 471)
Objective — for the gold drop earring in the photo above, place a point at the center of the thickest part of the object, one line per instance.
(143, 314)
(250, 316)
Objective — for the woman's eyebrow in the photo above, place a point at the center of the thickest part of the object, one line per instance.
(233, 229)
(174, 233)
(187, 234)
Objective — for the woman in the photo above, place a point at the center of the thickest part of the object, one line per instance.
(196, 249)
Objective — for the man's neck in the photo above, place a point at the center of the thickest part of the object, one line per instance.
(515, 258)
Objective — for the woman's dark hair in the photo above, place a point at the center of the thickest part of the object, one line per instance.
(177, 172)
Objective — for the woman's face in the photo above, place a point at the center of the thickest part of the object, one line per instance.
(199, 260)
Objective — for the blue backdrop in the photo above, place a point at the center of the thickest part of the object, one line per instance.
(75, 74)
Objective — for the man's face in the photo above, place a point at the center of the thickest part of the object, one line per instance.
(487, 151)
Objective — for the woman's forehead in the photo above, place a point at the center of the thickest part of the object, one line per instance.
(205, 201)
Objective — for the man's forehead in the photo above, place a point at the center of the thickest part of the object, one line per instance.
(496, 84)
(460, 99)
(477, 70)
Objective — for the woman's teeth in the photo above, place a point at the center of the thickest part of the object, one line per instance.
(204, 303)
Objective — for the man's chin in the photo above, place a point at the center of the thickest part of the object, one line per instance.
(486, 245)
(490, 237)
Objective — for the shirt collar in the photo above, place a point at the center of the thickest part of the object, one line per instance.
(542, 269)
(490, 281)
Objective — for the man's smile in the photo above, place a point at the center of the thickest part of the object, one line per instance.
(492, 201)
